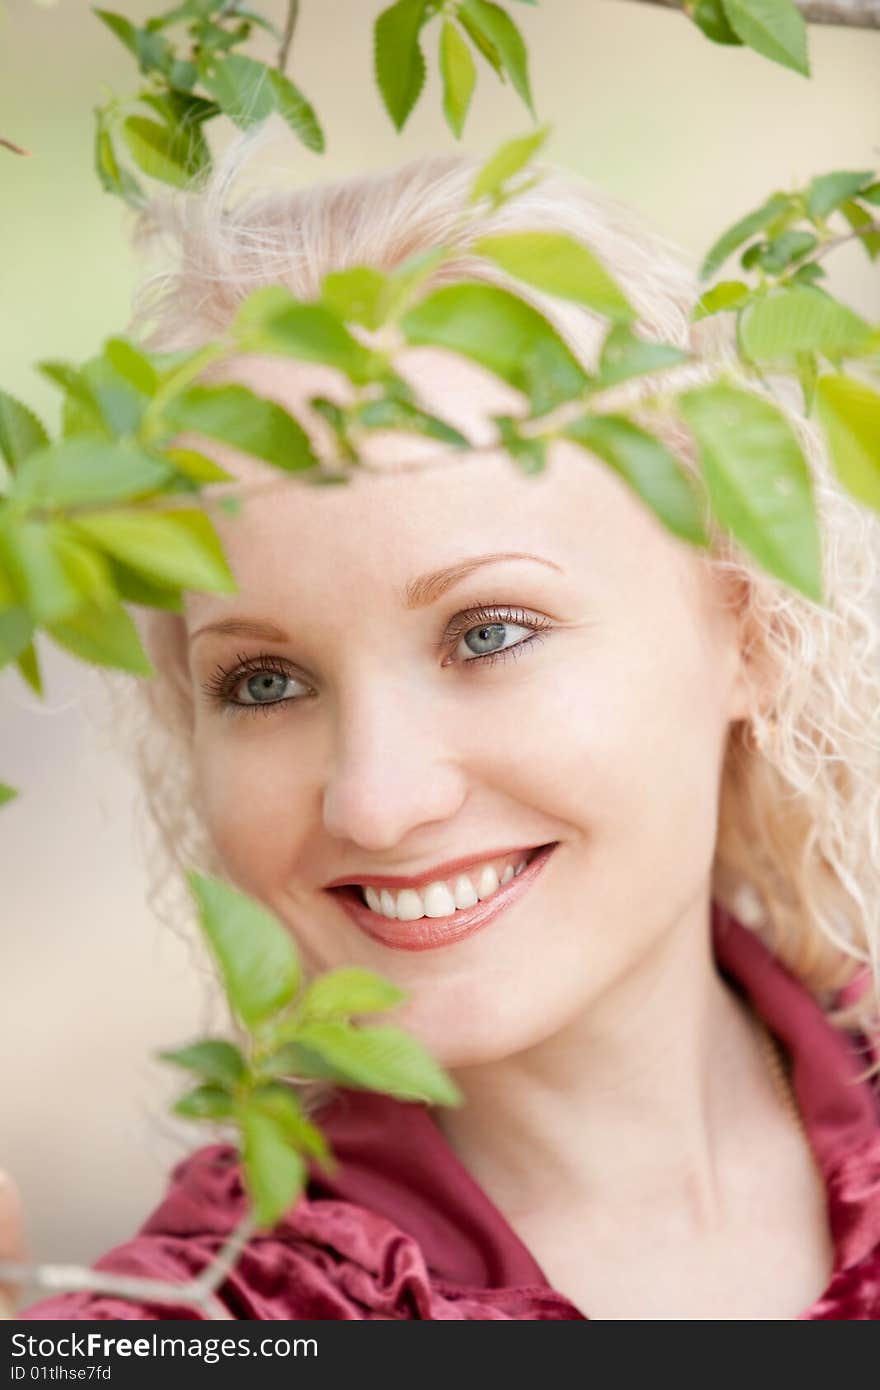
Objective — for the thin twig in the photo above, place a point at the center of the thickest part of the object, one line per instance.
(836, 241)
(855, 14)
(10, 145)
(287, 36)
(195, 1293)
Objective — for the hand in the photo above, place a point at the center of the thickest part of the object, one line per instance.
(11, 1239)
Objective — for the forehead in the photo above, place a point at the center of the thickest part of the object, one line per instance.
(418, 505)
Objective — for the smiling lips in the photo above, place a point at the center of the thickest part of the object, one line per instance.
(443, 911)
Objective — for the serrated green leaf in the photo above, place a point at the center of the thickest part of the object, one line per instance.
(237, 416)
(558, 264)
(378, 1059)
(709, 16)
(850, 414)
(88, 470)
(7, 793)
(741, 231)
(30, 557)
(758, 481)
(357, 295)
(195, 466)
(103, 636)
(795, 319)
(482, 44)
(215, 1059)
(647, 466)
(828, 191)
(134, 588)
(773, 28)
(625, 355)
(459, 76)
(509, 159)
(178, 548)
(398, 60)
(502, 33)
(155, 150)
(727, 294)
(274, 1173)
(501, 332)
(88, 571)
(255, 953)
(270, 320)
(242, 88)
(72, 382)
(21, 433)
(205, 1103)
(350, 990)
(296, 111)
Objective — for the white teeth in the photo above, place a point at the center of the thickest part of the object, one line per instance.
(438, 900)
(441, 899)
(487, 883)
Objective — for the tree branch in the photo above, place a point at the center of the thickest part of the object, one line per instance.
(196, 1293)
(855, 14)
(287, 36)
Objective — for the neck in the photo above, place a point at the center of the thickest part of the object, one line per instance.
(665, 1063)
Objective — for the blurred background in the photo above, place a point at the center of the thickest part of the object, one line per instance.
(692, 134)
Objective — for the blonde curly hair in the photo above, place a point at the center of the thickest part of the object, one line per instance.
(798, 847)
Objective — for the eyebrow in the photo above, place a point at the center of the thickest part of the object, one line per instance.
(418, 593)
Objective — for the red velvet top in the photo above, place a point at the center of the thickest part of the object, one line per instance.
(403, 1231)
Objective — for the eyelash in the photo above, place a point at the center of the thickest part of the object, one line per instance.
(219, 686)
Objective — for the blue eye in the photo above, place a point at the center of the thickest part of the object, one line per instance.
(264, 679)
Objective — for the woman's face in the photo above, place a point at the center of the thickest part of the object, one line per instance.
(375, 743)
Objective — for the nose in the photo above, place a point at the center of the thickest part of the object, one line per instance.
(394, 767)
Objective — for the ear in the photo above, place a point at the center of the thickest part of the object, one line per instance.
(753, 682)
(163, 635)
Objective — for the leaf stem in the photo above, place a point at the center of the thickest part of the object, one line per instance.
(287, 35)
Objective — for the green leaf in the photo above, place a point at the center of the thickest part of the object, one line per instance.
(179, 548)
(103, 636)
(459, 77)
(850, 414)
(271, 320)
(784, 250)
(7, 793)
(529, 452)
(559, 265)
(182, 115)
(797, 319)
(501, 332)
(709, 16)
(773, 28)
(509, 159)
(16, 630)
(155, 150)
(274, 1173)
(357, 295)
(242, 88)
(28, 664)
(213, 1058)
(237, 416)
(807, 274)
(625, 355)
(88, 571)
(30, 557)
(298, 113)
(378, 1059)
(205, 1103)
(72, 382)
(132, 365)
(482, 44)
(399, 62)
(21, 433)
(645, 464)
(871, 194)
(195, 466)
(88, 470)
(152, 51)
(496, 25)
(741, 231)
(858, 218)
(350, 990)
(134, 588)
(758, 481)
(255, 953)
(400, 415)
(278, 1100)
(113, 176)
(727, 294)
(828, 191)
